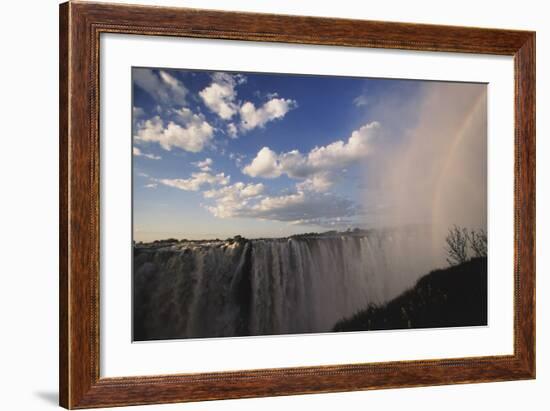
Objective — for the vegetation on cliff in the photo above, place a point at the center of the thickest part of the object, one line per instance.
(451, 297)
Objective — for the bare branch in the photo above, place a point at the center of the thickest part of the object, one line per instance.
(457, 245)
(478, 243)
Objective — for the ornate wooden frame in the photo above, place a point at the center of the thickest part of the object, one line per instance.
(79, 379)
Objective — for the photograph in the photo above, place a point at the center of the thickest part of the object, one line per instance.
(283, 203)
(260, 202)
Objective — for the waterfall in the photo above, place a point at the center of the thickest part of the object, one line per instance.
(270, 286)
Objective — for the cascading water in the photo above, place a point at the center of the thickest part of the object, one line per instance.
(300, 284)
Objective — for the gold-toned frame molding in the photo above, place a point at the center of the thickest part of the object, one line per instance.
(81, 24)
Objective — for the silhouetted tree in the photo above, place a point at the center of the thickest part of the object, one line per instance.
(478, 243)
(457, 245)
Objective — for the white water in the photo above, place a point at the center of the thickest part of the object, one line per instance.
(277, 286)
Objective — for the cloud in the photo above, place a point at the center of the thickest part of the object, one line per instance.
(360, 101)
(138, 112)
(220, 96)
(232, 130)
(196, 181)
(151, 185)
(204, 165)
(233, 200)
(163, 87)
(138, 153)
(276, 108)
(319, 182)
(191, 134)
(317, 166)
(238, 158)
(308, 206)
(340, 153)
(266, 164)
(335, 223)
(304, 207)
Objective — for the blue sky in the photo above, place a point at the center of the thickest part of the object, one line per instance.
(217, 154)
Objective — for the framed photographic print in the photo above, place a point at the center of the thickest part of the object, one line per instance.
(257, 205)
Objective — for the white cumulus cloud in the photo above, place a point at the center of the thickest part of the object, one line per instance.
(220, 95)
(196, 181)
(276, 108)
(316, 166)
(266, 164)
(191, 133)
(221, 98)
(233, 200)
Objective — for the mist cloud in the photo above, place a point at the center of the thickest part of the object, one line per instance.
(436, 172)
